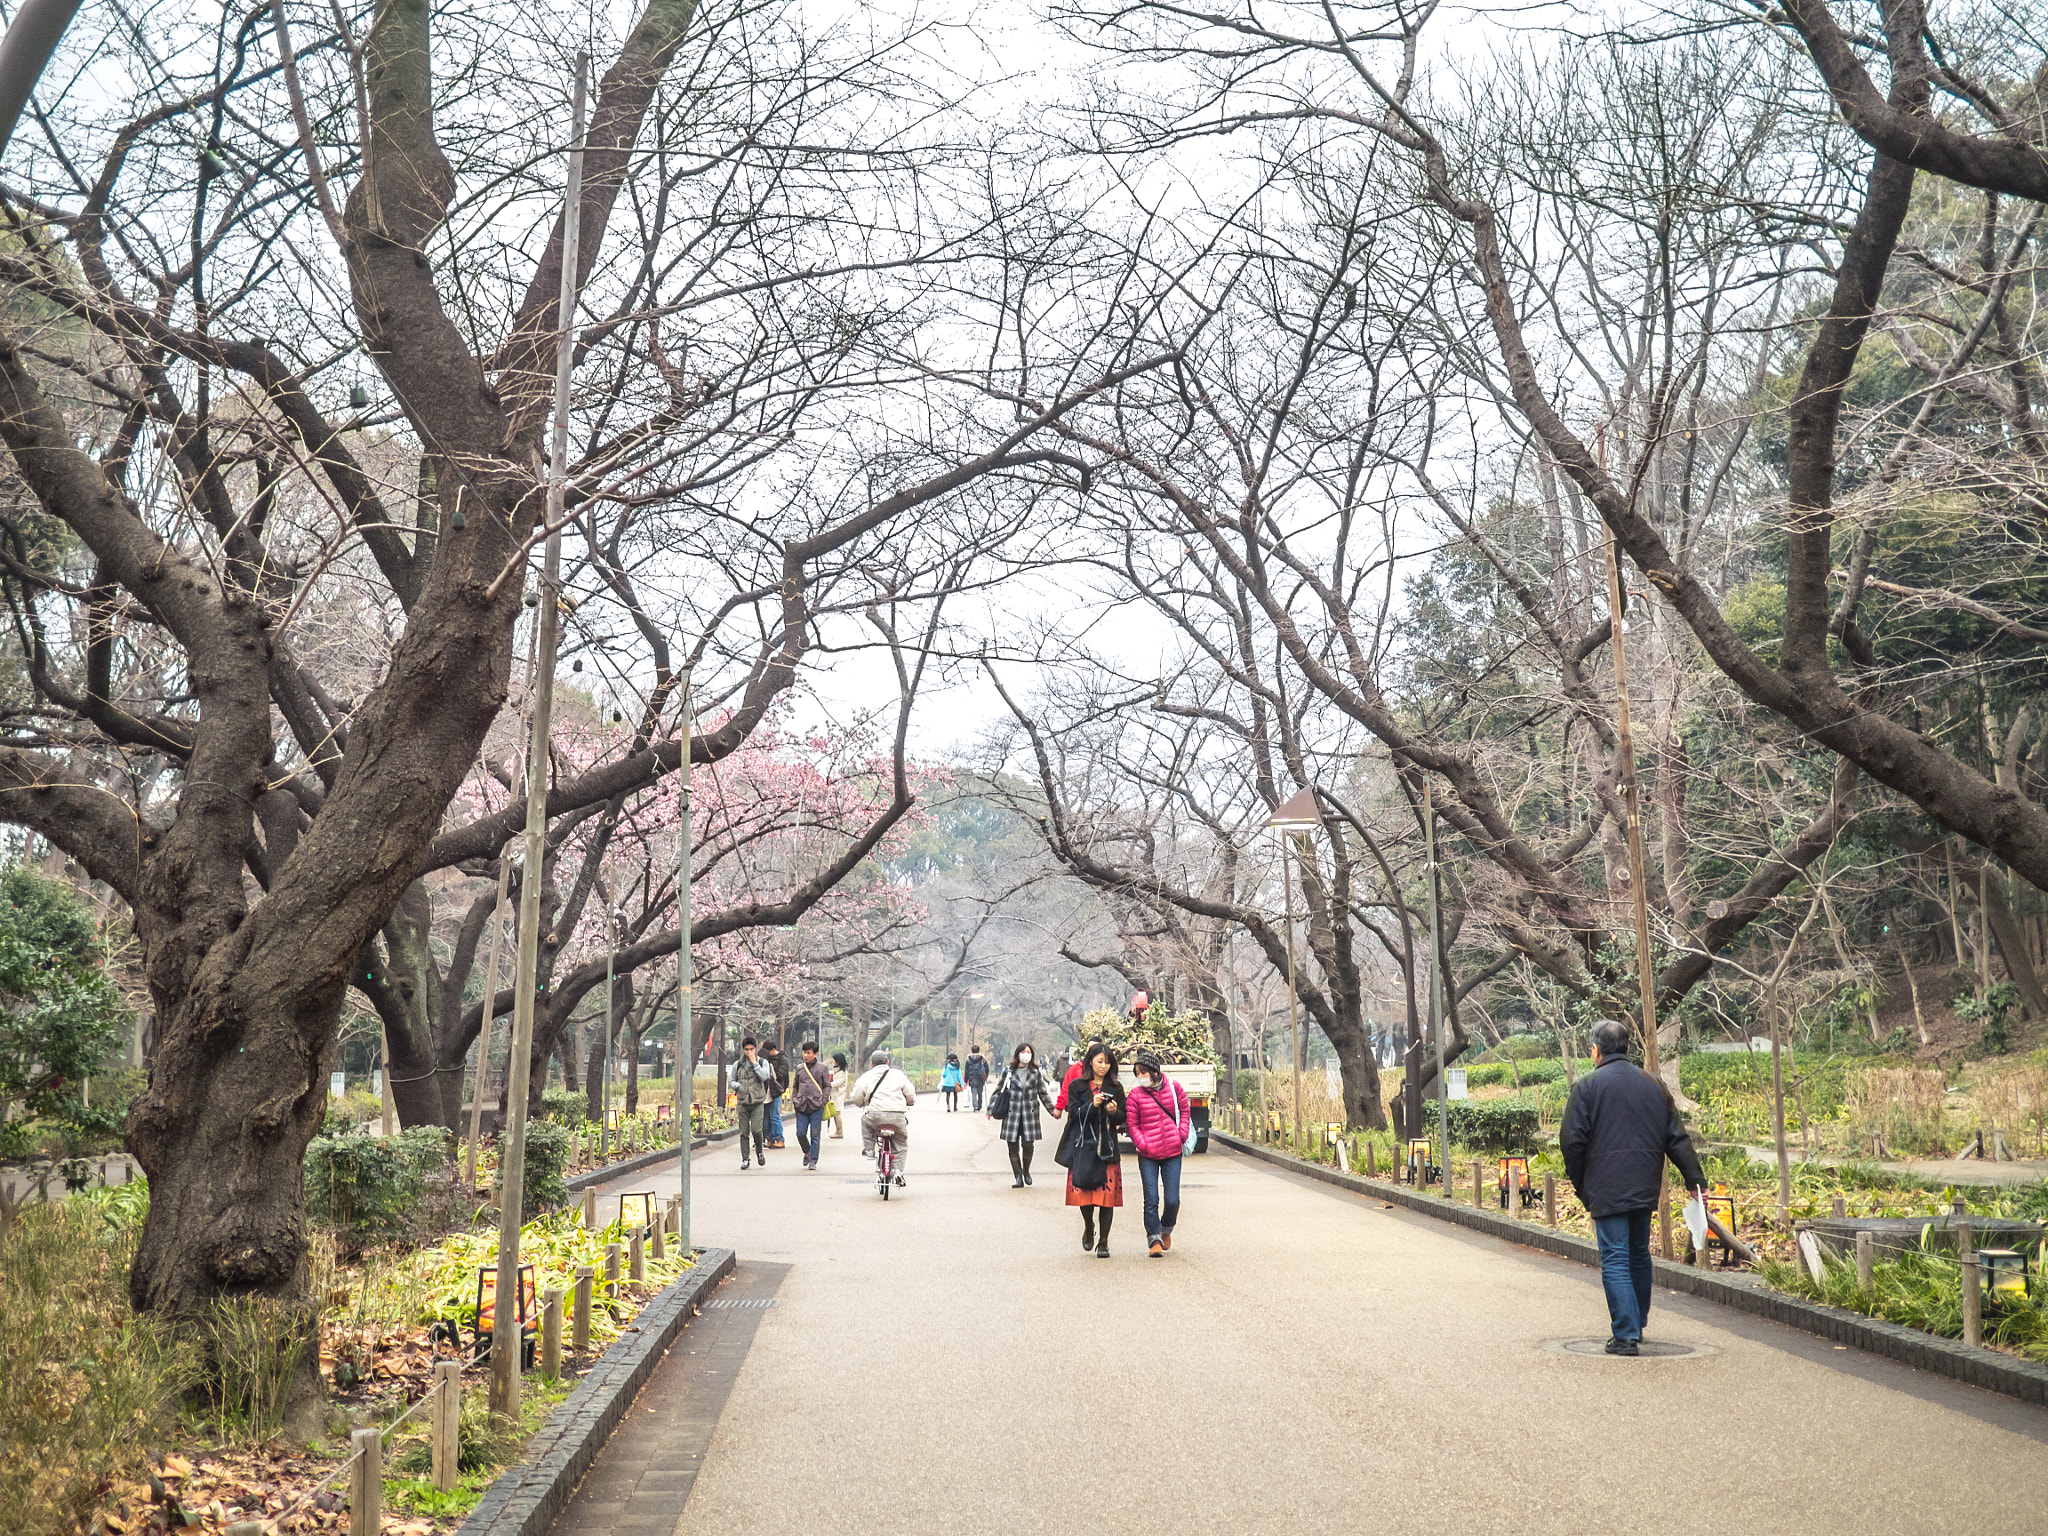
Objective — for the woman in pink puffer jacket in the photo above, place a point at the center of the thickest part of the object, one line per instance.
(1158, 1115)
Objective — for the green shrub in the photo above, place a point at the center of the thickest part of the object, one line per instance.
(1183, 1037)
(565, 1106)
(367, 1185)
(547, 1161)
(1501, 1125)
(1501, 1074)
(351, 1112)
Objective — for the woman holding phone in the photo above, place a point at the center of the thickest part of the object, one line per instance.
(1095, 1175)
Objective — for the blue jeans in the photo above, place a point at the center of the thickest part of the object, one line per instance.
(1625, 1270)
(810, 1131)
(775, 1120)
(975, 1089)
(1156, 1171)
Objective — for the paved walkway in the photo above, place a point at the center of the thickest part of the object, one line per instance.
(1305, 1360)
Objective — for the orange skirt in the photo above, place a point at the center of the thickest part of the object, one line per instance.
(1111, 1193)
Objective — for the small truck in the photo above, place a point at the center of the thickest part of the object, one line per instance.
(1198, 1080)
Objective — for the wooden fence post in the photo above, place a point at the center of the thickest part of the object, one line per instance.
(1841, 1208)
(1973, 1302)
(659, 1227)
(611, 1272)
(1478, 1202)
(1370, 1171)
(590, 1209)
(579, 1327)
(1550, 1198)
(636, 1262)
(1866, 1277)
(551, 1334)
(446, 1415)
(366, 1483)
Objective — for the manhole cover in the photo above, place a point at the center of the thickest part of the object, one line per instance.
(1659, 1349)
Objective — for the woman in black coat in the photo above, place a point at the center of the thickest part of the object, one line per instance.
(1095, 1175)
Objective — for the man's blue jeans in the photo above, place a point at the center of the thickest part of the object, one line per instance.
(774, 1121)
(1155, 1171)
(1625, 1270)
(810, 1131)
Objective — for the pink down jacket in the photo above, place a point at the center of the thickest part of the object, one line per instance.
(1158, 1122)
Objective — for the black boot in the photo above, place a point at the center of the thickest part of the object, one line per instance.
(1102, 1247)
(1087, 1228)
(1016, 1168)
(1027, 1146)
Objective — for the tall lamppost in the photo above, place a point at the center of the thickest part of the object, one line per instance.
(1298, 816)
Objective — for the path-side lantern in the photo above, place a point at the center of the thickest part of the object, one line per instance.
(663, 1112)
(1720, 1206)
(1419, 1169)
(487, 1312)
(1514, 1174)
(2005, 1276)
(646, 1200)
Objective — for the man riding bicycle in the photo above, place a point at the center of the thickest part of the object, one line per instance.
(884, 1093)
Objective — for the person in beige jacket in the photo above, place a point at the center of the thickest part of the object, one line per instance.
(884, 1093)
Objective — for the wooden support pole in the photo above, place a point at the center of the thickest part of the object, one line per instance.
(1664, 1209)
(1841, 1208)
(1866, 1268)
(590, 1209)
(611, 1272)
(1478, 1183)
(1973, 1301)
(636, 1262)
(1370, 1171)
(1550, 1198)
(551, 1334)
(446, 1415)
(579, 1325)
(660, 1231)
(366, 1483)
(1966, 1244)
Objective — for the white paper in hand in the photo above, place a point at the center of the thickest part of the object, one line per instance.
(1696, 1223)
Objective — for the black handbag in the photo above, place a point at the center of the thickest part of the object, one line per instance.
(999, 1101)
(1089, 1169)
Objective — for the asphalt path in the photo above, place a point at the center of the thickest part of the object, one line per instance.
(1304, 1360)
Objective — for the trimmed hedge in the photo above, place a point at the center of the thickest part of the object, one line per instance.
(1500, 1074)
(1496, 1126)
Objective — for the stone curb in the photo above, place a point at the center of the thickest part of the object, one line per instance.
(2023, 1379)
(611, 1171)
(527, 1497)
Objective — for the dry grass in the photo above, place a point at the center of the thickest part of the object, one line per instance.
(2017, 1102)
(1901, 1104)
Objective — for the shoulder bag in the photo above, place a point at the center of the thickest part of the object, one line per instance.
(999, 1101)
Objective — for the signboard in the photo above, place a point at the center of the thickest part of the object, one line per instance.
(377, 1080)
(1333, 1078)
(337, 1084)
(1454, 1081)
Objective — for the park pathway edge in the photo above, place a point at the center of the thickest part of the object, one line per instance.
(2004, 1374)
(525, 1500)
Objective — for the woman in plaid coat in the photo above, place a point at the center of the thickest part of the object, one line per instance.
(1026, 1085)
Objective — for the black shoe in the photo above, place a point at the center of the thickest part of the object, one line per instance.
(1027, 1178)
(745, 1165)
(1017, 1182)
(1622, 1347)
(1102, 1250)
(1088, 1238)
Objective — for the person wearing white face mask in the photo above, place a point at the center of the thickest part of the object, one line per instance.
(1015, 1101)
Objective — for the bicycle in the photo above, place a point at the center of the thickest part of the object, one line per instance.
(885, 1158)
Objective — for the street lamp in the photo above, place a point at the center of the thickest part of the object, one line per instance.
(1298, 816)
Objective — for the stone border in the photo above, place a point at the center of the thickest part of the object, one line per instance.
(2023, 1379)
(530, 1493)
(611, 1171)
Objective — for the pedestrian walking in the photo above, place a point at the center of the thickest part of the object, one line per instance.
(1159, 1116)
(753, 1087)
(976, 1073)
(1095, 1174)
(835, 1106)
(886, 1095)
(1618, 1129)
(780, 1068)
(810, 1092)
(1070, 1069)
(949, 1081)
(1019, 1092)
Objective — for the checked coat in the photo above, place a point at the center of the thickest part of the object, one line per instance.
(1027, 1091)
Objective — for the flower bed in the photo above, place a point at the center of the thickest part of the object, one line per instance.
(107, 1428)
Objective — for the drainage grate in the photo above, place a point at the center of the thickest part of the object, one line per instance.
(754, 1303)
(1658, 1349)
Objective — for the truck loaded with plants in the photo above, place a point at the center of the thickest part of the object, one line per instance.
(1181, 1041)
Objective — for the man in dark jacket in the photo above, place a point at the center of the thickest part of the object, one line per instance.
(812, 1087)
(977, 1075)
(779, 1065)
(1619, 1129)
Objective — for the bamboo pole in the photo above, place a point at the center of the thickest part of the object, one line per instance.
(512, 1157)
